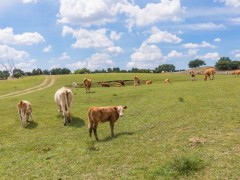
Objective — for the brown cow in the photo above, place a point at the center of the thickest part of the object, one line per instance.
(167, 81)
(24, 111)
(87, 84)
(63, 98)
(192, 73)
(209, 73)
(148, 81)
(103, 114)
(236, 73)
(136, 81)
(105, 84)
(121, 82)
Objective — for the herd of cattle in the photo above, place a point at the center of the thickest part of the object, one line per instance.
(64, 97)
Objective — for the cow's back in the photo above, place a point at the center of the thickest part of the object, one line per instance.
(102, 114)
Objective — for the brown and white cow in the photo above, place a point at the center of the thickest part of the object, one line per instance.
(167, 81)
(136, 81)
(63, 98)
(236, 73)
(209, 73)
(103, 114)
(24, 111)
(87, 84)
(148, 81)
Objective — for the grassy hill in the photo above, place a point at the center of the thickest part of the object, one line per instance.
(186, 129)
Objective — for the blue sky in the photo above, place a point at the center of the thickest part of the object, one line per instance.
(98, 34)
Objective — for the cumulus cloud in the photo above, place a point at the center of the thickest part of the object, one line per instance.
(8, 37)
(233, 3)
(204, 26)
(211, 56)
(174, 54)
(158, 36)
(30, 1)
(8, 53)
(115, 36)
(27, 66)
(88, 38)
(217, 40)
(147, 56)
(99, 12)
(96, 61)
(64, 56)
(113, 50)
(47, 49)
(204, 44)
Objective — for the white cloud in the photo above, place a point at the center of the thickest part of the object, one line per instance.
(165, 10)
(174, 54)
(237, 56)
(47, 49)
(114, 50)
(235, 20)
(234, 3)
(204, 44)
(217, 40)
(88, 38)
(30, 1)
(115, 36)
(64, 56)
(8, 53)
(99, 12)
(204, 26)
(147, 56)
(192, 52)
(86, 13)
(158, 36)
(211, 56)
(8, 37)
(96, 61)
(26, 66)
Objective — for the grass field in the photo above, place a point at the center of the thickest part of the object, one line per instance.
(151, 139)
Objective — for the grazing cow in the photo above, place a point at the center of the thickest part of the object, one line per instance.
(148, 81)
(209, 73)
(24, 111)
(192, 73)
(236, 73)
(105, 84)
(63, 98)
(87, 84)
(136, 81)
(167, 81)
(103, 114)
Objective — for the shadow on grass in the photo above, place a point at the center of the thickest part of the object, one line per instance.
(116, 136)
(31, 125)
(76, 122)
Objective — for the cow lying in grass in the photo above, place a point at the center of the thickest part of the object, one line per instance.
(105, 84)
(103, 114)
(24, 111)
(63, 98)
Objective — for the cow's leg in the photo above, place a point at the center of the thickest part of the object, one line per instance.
(112, 128)
(90, 128)
(65, 120)
(95, 131)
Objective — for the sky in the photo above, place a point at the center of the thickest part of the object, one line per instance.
(101, 34)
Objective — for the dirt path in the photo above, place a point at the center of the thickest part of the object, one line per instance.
(48, 81)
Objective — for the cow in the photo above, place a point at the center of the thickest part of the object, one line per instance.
(105, 84)
(103, 114)
(136, 81)
(192, 73)
(87, 84)
(148, 81)
(74, 84)
(24, 112)
(121, 82)
(63, 98)
(236, 73)
(209, 73)
(167, 81)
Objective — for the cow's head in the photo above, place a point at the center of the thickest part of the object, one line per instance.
(120, 110)
(205, 77)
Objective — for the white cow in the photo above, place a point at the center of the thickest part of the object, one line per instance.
(63, 98)
(24, 111)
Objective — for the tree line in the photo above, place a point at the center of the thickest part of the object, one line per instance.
(224, 63)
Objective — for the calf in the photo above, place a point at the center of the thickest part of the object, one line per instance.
(24, 111)
(103, 114)
(136, 81)
(63, 98)
(167, 81)
(148, 81)
(87, 84)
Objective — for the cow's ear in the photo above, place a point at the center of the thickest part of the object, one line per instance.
(115, 108)
(124, 107)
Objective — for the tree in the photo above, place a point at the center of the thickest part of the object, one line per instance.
(4, 74)
(165, 68)
(224, 63)
(82, 71)
(17, 73)
(196, 63)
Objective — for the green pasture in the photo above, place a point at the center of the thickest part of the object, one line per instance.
(150, 139)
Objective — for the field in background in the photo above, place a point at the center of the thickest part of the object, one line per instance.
(154, 131)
